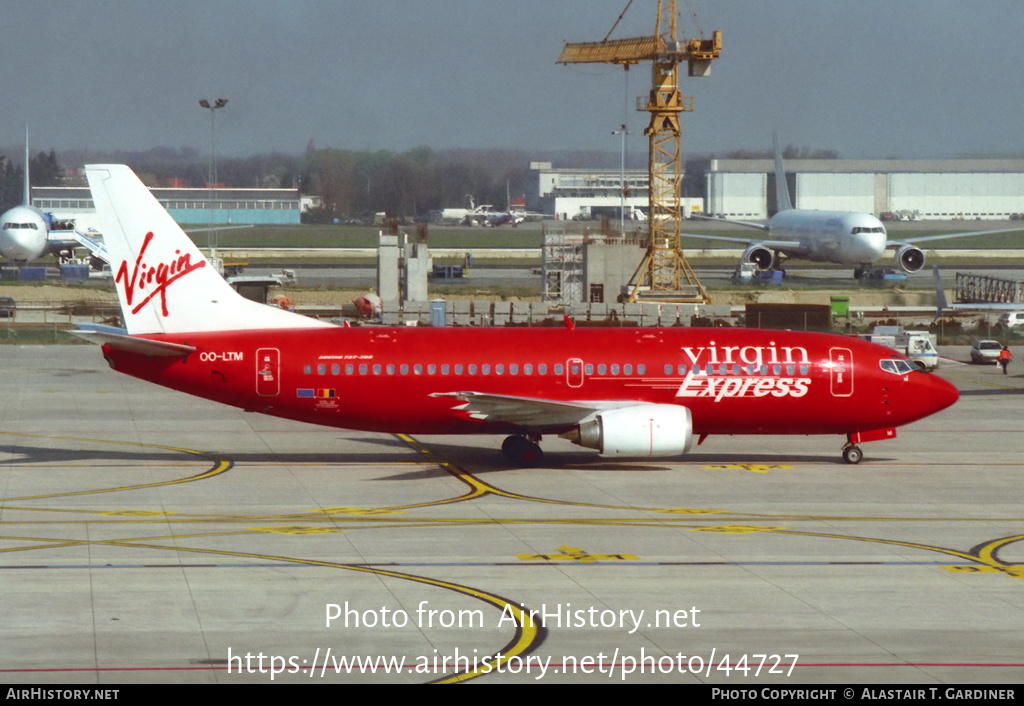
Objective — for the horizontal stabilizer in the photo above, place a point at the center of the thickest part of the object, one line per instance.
(133, 344)
(102, 328)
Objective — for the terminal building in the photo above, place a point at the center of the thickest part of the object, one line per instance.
(186, 206)
(591, 194)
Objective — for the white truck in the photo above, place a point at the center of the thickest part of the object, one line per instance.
(919, 346)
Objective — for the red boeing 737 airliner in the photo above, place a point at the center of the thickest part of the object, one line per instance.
(627, 392)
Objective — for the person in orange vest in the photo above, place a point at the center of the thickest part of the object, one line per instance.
(1005, 358)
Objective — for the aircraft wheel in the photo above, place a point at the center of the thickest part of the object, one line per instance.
(521, 451)
(852, 454)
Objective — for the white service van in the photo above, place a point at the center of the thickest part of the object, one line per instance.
(1012, 318)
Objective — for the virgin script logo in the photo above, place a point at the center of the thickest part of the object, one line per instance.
(152, 280)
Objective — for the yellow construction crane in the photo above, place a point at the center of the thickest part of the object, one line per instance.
(664, 268)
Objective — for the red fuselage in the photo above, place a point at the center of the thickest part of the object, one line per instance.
(734, 381)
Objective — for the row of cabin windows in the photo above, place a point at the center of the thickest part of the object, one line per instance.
(602, 369)
(473, 369)
(736, 369)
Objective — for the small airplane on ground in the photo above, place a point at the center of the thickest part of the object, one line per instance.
(840, 237)
(627, 392)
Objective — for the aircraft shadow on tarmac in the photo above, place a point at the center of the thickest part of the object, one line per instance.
(30, 455)
(56, 456)
(481, 461)
(991, 392)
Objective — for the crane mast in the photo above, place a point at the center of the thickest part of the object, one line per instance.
(664, 271)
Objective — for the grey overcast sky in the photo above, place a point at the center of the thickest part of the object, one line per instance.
(869, 78)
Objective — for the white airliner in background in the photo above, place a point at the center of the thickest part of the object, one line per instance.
(24, 230)
(840, 237)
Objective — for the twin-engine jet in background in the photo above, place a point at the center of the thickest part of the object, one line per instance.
(841, 237)
(25, 230)
(627, 392)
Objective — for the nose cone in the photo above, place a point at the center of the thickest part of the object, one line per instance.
(18, 245)
(928, 394)
(874, 245)
(23, 232)
(944, 393)
(21, 244)
(865, 246)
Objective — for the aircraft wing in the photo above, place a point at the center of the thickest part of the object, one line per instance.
(203, 230)
(896, 244)
(747, 224)
(525, 412)
(791, 247)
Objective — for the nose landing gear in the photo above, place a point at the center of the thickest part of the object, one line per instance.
(852, 453)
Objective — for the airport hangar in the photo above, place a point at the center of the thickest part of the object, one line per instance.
(970, 189)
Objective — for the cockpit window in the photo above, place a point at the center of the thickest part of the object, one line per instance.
(15, 226)
(859, 229)
(896, 367)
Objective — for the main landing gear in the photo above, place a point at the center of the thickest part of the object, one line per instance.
(523, 450)
(852, 453)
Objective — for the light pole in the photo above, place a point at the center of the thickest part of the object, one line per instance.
(622, 181)
(212, 177)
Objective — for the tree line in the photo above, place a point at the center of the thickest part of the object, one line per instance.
(43, 171)
(348, 183)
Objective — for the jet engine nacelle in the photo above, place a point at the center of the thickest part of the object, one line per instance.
(642, 431)
(760, 256)
(910, 258)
